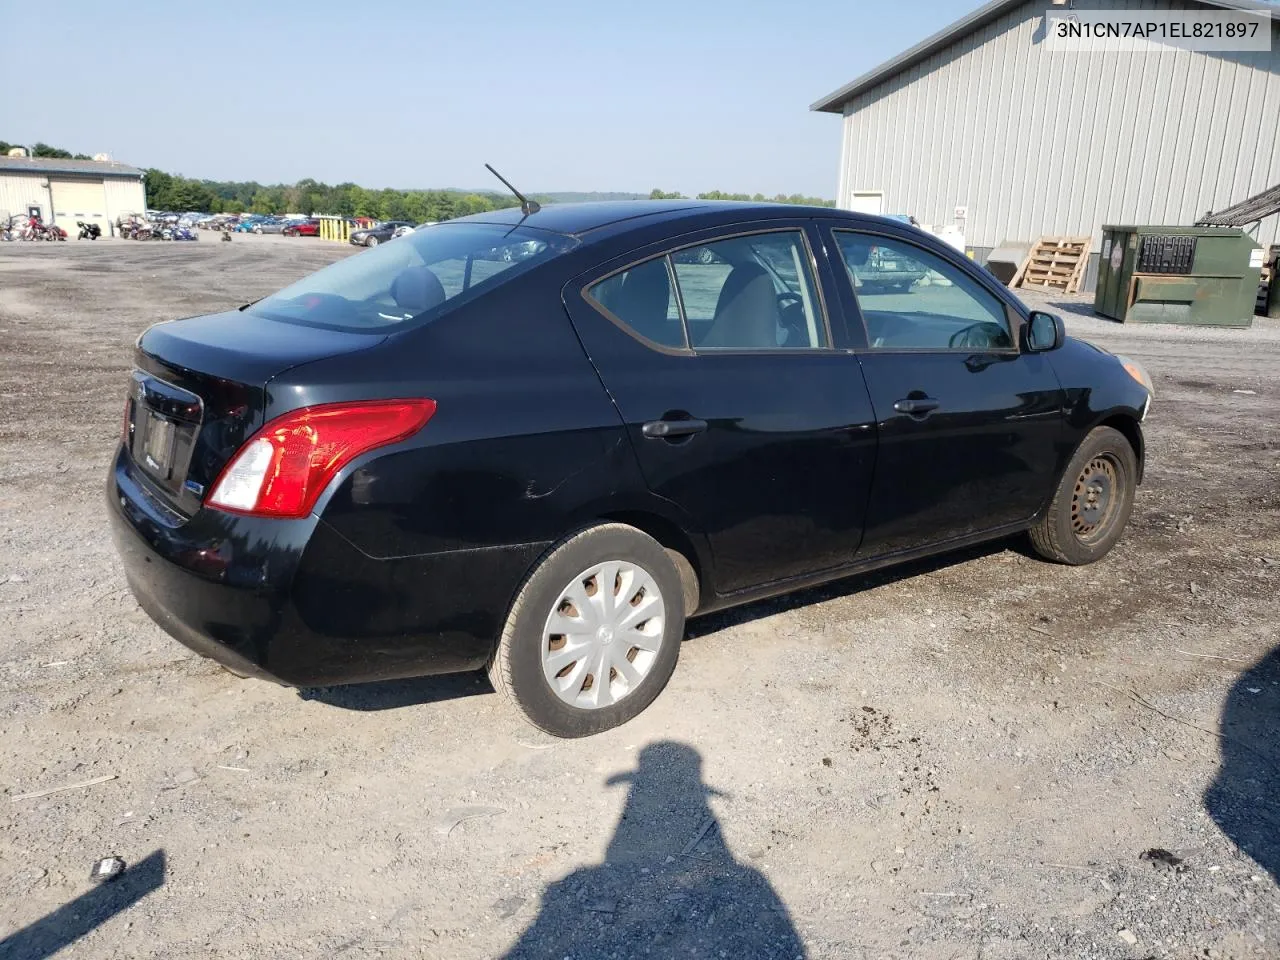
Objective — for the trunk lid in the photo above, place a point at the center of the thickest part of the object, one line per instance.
(200, 389)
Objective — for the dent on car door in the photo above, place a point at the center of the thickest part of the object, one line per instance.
(969, 426)
(719, 357)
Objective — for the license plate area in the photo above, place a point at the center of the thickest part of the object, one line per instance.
(157, 446)
(163, 425)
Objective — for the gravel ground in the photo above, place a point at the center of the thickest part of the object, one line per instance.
(967, 758)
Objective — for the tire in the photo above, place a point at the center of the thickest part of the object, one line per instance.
(370, 241)
(518, 668)
(258, 231)
(1092, 502)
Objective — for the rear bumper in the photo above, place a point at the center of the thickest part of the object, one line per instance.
(294, 602)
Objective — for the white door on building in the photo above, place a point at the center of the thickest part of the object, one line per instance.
(78, 200)
(867, 201)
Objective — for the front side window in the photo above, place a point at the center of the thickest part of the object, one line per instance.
(395, 283)
(912, 299)
(754, 292)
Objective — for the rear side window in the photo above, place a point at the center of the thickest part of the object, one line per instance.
(644, 299)
(754, 292)
(413, 277)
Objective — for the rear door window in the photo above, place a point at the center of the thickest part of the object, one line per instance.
(752, 292)
(643, 299)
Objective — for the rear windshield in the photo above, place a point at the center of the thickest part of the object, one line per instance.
(412, 277)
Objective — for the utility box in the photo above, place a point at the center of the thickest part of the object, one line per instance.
(1200, 275)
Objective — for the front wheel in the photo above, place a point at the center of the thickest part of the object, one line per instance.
(371, 241)
(1092, 503)
(594, 633)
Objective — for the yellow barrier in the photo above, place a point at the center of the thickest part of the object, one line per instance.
(334, 228)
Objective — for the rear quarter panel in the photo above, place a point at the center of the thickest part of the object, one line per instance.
(524, 439)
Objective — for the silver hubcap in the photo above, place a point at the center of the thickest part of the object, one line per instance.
(603, 634)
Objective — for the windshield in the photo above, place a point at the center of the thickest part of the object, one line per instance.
(421, 273)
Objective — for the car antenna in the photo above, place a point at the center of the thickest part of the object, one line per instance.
(527, 207)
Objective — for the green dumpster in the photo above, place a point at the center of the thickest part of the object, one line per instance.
(1200, 275)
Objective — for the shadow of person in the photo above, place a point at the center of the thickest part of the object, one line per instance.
(85, 913)
(1244, 800)
(668, 887)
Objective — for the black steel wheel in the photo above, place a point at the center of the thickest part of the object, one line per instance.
(1092, 502)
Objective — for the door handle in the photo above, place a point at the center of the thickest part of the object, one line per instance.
(916, 407)
(670, 429)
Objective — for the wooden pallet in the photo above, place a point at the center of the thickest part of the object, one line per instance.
(1054, 263)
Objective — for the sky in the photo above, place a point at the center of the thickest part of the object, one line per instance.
(558, 95)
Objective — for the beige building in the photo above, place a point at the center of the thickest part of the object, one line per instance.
(64, 191)
(985, 126)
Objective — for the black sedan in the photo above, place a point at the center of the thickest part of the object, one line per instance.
(372, 236)
(537, 445)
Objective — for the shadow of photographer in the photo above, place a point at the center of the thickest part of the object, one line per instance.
(1244, 799)
(668, 887)
(76, 918)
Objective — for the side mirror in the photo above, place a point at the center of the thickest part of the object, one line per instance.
(1044, 332)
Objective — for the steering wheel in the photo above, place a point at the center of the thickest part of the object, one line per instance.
(982, 334)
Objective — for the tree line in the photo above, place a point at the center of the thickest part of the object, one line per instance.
(168, 191)
(44, 150)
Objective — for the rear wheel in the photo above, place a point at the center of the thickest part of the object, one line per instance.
(1092, 503)
(594, 633)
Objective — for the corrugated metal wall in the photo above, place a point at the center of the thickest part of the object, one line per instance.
(17, 190)
(1037, 143)
(124, 196)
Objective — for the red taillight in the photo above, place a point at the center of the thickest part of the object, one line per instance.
(283, 468)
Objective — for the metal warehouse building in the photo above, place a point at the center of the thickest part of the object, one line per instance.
(64, 191)
(1033, 142)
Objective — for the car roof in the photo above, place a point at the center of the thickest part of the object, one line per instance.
(576, 219)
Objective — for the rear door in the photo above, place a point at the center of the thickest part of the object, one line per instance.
(969, 426)
(719, 356)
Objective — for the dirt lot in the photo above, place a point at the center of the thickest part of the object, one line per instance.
(965, 759)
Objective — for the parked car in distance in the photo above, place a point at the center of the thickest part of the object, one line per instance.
(372, 236)
(302, 228)
(247, 224)
(888, 270)
(433, 458)
(270, 225)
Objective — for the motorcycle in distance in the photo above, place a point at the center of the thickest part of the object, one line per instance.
(89, 231)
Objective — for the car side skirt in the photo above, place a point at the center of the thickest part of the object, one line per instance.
(777, 588)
